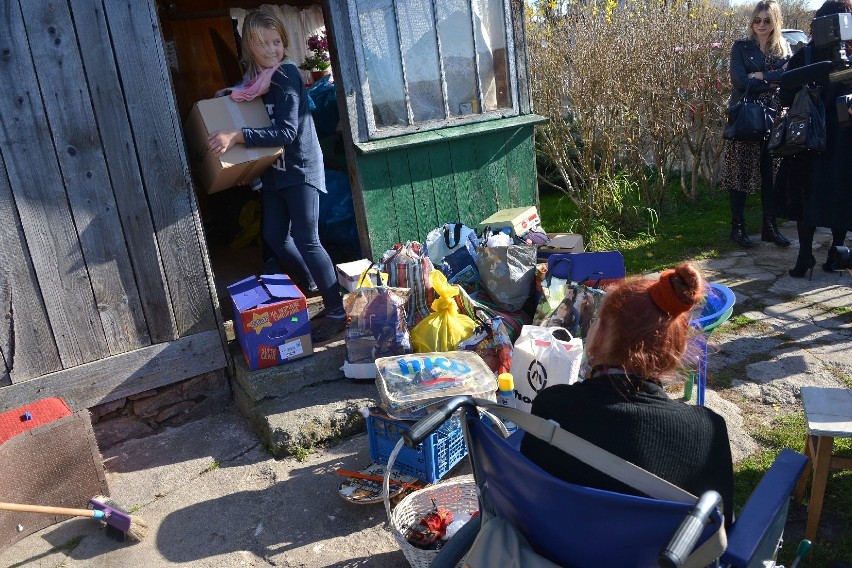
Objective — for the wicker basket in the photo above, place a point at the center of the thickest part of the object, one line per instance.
(458, 495)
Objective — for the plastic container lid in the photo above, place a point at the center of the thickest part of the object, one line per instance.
(404, 379)
(505, 382)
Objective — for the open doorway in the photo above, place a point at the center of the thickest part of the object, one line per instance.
(203, 49)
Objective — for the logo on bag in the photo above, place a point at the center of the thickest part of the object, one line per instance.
(537, 376)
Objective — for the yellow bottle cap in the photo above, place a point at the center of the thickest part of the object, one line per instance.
(505, 382)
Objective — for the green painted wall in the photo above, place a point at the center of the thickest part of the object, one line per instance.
(414, 183)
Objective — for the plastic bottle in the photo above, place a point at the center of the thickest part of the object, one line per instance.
(506, 396)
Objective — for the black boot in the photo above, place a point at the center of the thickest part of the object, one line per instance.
(738, 233)
(803, 264)
(770, 234)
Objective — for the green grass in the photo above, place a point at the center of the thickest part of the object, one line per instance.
(681, 233)
(789, 431)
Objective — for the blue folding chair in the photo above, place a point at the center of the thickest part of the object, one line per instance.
(583, 527)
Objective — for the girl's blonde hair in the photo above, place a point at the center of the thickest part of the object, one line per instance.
(776, 45)
(253, 23)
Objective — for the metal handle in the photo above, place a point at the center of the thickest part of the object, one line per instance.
(687, 534)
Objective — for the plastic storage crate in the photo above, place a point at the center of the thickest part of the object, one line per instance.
(430, 461)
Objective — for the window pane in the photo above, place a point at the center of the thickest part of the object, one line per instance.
(456, 35)
(420, 54)
(490, 26)
(382, 61)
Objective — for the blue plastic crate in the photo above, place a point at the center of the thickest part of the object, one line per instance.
(430, 461)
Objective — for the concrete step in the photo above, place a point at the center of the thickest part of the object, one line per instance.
(297, 406)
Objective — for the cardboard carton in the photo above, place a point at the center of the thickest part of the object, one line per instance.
(518, 219)
(560, 243)
(239, 163)
(271, 321)
(348, 273)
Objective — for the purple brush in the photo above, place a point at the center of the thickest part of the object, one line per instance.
(114, 517)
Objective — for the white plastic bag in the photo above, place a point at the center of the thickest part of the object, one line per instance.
(540, 360)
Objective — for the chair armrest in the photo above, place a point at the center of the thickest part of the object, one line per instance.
(761, 516)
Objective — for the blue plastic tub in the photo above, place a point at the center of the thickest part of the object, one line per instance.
(430, 461)
(716, 311)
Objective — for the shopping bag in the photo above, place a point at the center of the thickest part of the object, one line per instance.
(371, 278)
(541, 359)
(482, 309)
(507, 273)
(448, 238)
(408, 267)
(376, 328)
(445, 328)
(573, 305)
(491, 340)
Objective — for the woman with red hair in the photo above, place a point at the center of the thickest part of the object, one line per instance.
(640, 336)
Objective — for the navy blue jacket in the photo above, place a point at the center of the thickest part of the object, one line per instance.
(293, 129)
(747, 58)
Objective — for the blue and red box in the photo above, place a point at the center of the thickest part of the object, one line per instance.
(271, 320)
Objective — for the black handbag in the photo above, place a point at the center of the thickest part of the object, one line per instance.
(749, 120)
(802, 129)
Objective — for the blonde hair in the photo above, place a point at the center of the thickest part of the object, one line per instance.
(776, 44)
(253, 23)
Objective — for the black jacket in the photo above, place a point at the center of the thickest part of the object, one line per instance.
(817, 189)
(684, 444)
(746, 58)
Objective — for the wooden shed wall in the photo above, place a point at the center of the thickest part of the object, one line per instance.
(415, 183)
(104, 284)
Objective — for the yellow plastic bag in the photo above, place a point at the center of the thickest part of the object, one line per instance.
(370, 277)
(445, 328)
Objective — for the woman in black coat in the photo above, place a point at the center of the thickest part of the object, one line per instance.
(816, 190)
(757, 65)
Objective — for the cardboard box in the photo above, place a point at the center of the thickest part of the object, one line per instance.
(560, 243)
(271, 321)
(348, 273)
(519, 219)
(239, 163)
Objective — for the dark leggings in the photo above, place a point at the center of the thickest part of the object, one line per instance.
(738, 198)
(806, 238)
(291, 227)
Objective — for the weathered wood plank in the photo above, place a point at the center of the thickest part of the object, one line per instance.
(520, 168)
(138, 49)
(443, 184)
(466, 172)
(422, 190)
(522, 71)
(117, 139)
(122, 375)
(492, 179)
(41, 201)
(24, 318)
(379, 203)
(402, 196)
(59, 71)
(447, 134)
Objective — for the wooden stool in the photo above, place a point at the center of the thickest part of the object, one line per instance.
(829, 415)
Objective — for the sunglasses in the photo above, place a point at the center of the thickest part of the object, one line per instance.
(757, 21)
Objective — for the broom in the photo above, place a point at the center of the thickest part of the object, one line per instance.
(119, 523)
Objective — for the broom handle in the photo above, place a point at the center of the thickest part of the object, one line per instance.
(48, 510)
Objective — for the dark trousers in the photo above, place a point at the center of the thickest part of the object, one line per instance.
(291, 227)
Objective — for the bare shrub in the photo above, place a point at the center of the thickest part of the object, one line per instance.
(637, 89)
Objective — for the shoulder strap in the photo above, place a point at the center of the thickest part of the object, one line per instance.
(598, 458)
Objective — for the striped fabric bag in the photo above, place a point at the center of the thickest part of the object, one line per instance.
(407, 266)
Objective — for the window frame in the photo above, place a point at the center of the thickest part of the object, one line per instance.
(365, 101)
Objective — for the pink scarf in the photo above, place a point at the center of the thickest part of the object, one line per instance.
(253, 89)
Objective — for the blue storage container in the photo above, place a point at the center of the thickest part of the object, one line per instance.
(430, 461)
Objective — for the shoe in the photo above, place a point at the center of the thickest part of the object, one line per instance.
(328, 328)
(738, 233)
(803, 265)
(770, 234)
